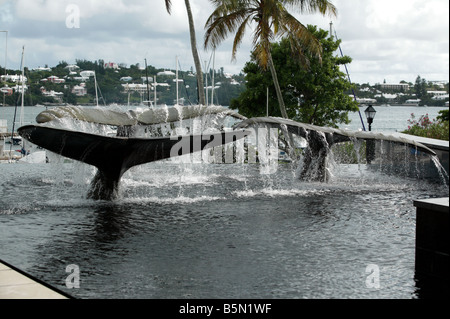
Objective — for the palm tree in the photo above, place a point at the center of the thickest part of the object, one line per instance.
(198, 67)
(272, 20)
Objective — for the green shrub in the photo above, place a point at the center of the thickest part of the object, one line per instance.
(424, 127)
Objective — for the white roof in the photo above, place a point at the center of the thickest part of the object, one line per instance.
(166, 73)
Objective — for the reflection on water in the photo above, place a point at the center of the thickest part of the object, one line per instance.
(213, 231)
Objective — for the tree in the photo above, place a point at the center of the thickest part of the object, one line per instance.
(315, 96)
(198, 66)
(272, 20)
(420, 87)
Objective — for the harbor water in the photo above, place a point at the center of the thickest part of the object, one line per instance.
(184, 230)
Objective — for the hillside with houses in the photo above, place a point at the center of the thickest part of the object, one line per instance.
(118, 83)
(420, 93)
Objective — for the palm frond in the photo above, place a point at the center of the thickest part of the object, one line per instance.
(168, 6)
(313, 6)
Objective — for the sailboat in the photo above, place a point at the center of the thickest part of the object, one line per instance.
(27, 157)
(17, 140)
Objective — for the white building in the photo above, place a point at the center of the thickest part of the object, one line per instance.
(14, 78)
(18, 88)
(140, 88)
(56, 95)
(439, 95)
(395, 86)
(412, 102)
(87, 74)
(387, 96)
(166, 73)
(362, 100)
(72, 67)
(41, 69)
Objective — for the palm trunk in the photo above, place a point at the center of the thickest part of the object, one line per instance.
(277, 87)
(198, 67)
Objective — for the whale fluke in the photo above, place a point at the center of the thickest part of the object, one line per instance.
(320, 139)
(113, 156)
(333, 135)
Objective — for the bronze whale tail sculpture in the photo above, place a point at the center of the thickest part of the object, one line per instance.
(114, 155)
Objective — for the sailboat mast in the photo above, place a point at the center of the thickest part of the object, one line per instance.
(154, 89)
(6, 59)
(212, 89)
(177, 78)
(23, 87)
(206, 83)
(348, 75)
(15, 109)
(95, 84)
(148, 88)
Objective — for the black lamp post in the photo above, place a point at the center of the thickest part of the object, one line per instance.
(370, 144)
(370, 115)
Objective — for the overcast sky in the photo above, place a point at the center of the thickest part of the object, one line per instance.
(389, 40)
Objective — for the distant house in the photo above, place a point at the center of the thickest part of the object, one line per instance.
(56, 95)
(41, 69)
(87, 74)
(111, 65)
(6, 90)
(72, 67)
(412, 102)
(53, 79)
(79, 90)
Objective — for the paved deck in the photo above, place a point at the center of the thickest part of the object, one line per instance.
(15, 284)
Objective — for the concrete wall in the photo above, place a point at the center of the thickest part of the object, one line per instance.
(432, 248)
